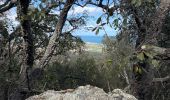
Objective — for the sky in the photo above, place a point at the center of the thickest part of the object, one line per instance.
(93, 14)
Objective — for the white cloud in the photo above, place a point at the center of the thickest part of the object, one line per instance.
(89, 27)
(10, 18)
(11, 14)
(54, 12)
(112, 5)
(78, 10)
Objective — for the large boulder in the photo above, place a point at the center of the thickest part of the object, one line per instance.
(83, 93)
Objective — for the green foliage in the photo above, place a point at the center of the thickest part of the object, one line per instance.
(108, 72)
(136, 2)
(117, 52)
(144, 56)
(97, 31)
(3, 32)
(141, 56)
(138, 69)
(164, 39)
(125, 22)
(116, 23)
(155, 63)
(79, 71)
(98, 20)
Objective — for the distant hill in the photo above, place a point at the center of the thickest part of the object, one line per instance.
(92, 39)
(93, 47)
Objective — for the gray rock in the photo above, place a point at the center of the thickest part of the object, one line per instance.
(83, 93)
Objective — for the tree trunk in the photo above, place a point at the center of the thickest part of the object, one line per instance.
(29, 74)
(28, 42)
(55, 37)
(142, 86)
(26, 67)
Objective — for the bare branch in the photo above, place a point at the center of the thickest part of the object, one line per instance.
(161, 79)
(7, 5)
(99, 4)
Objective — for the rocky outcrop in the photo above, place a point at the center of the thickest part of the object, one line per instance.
(83, 93)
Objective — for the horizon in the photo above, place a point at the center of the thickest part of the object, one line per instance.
(92, 39)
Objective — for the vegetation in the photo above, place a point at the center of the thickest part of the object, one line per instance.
(40, 53)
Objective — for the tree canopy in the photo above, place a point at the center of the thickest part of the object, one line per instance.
(35, 49)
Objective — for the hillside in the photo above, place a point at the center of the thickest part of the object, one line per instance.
(93, 47)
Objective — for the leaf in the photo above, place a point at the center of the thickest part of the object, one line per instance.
(97, 31)
(155, 63)
(110, 25)
(133, 1)
(100, 27)
(149, 55)
(138, 3)
(94, 29)
(103, 24)
(98, 20)
(141, 56)
(136, 68)
(139, 70)
(125, 22)
(109, 61)
(116, 22)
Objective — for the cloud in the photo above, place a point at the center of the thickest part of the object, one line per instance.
(11, 14)
(89, 27)
(10, 18)
(89, 9)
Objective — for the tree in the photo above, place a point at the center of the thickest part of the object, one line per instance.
(26, 69)
(143, 20)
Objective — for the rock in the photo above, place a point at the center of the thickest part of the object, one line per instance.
(83, 93)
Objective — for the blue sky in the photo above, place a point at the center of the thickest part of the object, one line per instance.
(93, 12)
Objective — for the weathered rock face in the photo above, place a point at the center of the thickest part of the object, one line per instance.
(83, 93)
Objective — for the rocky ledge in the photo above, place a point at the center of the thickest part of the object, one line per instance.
(83, 93)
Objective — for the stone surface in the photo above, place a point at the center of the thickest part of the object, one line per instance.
(83, 93)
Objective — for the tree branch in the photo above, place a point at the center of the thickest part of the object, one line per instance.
(7, 5)
(157, 22)
(52, 43)
(160, 53)
(161, 79)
